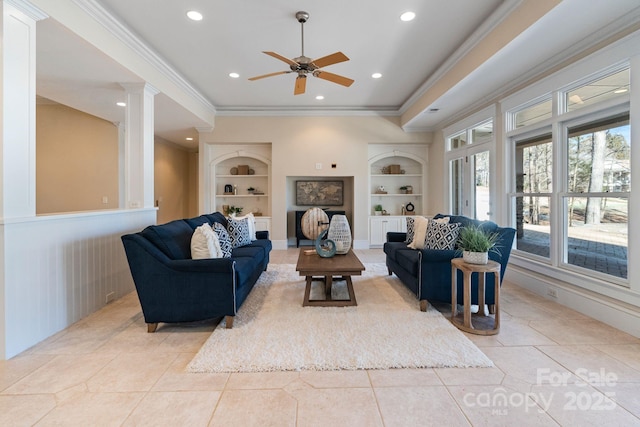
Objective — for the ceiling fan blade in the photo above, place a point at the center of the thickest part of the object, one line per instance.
(282, 58)
(334, 58)
(335, 78)
(301, 85)
(269, 75)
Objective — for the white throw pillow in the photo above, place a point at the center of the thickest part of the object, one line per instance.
(252, 225)
(204, 243)
(420, 224)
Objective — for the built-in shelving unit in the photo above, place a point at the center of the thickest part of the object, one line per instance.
(395, 198)
(259, 179)
(385, 190)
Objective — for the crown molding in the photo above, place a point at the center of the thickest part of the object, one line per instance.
(306, 112)
(28, 9)
(134, 42)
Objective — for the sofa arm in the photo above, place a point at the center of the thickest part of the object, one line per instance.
(396, 236)
(262, 235)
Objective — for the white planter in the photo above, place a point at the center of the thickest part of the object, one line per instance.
(475, 257)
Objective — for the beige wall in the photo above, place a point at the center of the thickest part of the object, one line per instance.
(173, 181)
(76, 161)
(299, 143)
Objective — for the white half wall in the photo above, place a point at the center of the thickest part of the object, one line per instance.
(61, 268)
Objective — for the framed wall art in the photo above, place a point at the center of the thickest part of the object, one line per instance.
(319, 193)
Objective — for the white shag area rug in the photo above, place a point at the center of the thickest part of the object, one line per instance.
(273, 332)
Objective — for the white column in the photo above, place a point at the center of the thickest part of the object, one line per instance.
(17, 138)
(139, 145)
(18, 144)
(205, 202)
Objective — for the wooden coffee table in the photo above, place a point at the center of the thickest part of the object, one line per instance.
(338, 267)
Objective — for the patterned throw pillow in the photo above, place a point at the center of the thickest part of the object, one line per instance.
(238, 231)
(442, 236)
(411, 227)
(223, 239)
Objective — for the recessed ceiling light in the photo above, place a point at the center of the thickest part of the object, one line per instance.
(194, 15)
(407, 16)
(376, 75)
(121, 104)
(189, 139)
(319, 97)
(234, 75)
(621, 90)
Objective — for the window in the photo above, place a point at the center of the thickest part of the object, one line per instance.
(534, 184)
(599, 182)
(571, 182)
(611, 86)
(469, 160)
(532, 114)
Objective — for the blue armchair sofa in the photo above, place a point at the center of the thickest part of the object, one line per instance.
(427, 272)
(173, 288)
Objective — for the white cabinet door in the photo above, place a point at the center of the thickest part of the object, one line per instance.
(379, 227)
(263, 223)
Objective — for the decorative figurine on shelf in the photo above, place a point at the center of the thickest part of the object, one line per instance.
(228, 189)
(326, 248)
(235, 189)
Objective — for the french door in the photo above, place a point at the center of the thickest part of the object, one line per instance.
(470, 183)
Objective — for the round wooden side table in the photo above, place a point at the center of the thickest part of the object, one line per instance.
(485, 325)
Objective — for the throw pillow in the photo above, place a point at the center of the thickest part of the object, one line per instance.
(420, 225)
(442, 236)
(252, 224)
(204, 243)
(224, 239)
(411, 226)
(238, 230)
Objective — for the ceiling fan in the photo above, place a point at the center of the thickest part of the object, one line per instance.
(303, 65)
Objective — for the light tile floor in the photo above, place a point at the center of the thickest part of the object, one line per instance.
(107, 370)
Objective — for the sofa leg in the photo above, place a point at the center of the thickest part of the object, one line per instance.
(424, 304)
(151, 327)
(229, 321)
(389, 270)
(492, 309)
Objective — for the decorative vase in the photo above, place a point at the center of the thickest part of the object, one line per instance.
(325, 248)
(340, 233)
(475, 257)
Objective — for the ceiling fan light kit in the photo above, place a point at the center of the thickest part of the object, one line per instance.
(303, 65)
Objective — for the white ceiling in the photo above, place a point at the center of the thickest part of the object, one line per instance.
(233, 34)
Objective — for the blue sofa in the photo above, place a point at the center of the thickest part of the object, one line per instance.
(427, 272)
(173, 288)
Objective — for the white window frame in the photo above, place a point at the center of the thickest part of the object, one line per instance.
(556, 86)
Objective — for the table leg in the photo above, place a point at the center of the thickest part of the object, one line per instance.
(307, 291)
(481, 293)
(328, 283)
(467, 299)
(497, 301)
(352, 294)
(454, 292)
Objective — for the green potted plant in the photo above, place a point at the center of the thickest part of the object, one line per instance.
(234, 210)
(403, 189)
(476, 243)
(251, 190)
(378, 209)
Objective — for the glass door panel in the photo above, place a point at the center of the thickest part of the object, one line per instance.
(481, 186)
(456, 180)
